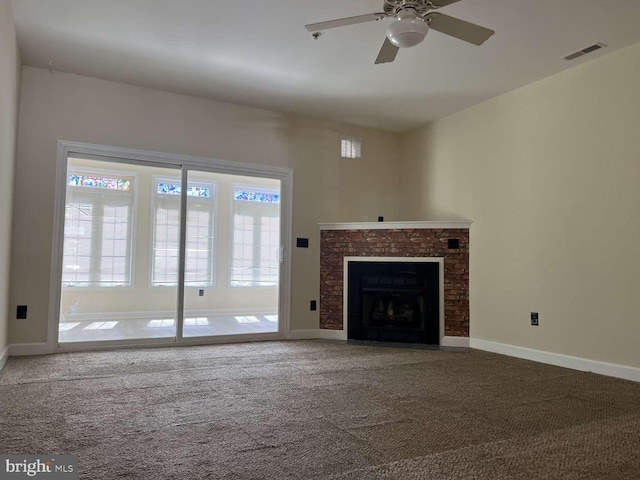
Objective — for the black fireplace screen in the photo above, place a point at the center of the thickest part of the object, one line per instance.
(394, 301)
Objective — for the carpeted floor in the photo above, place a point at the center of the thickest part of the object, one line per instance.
(318, 410)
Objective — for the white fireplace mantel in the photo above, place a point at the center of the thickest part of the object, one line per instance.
(396, 225)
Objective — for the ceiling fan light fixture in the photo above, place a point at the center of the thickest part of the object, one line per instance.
(408, 31)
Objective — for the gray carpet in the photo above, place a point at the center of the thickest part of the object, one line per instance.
(318, 410)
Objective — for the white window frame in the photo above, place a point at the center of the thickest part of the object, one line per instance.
(234, 202)
(96, 250)
(212, 200)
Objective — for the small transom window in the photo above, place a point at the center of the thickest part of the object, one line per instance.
(351, 147)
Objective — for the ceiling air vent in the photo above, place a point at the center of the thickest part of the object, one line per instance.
(584, 51)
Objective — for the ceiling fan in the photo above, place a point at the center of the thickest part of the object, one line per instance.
(414, 18)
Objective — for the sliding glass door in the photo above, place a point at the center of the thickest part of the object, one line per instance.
(232, 255)
(143, 260)
(117, 242)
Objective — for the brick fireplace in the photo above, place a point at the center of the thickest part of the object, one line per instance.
(445, 242)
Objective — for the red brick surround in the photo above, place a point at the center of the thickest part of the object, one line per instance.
(429, 242)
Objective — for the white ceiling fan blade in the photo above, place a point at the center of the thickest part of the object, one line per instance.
(469, 32)
(442, 3)
(387, 53)
(343, 22)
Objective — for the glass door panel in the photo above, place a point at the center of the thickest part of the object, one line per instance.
(120, 255)
(232, 255)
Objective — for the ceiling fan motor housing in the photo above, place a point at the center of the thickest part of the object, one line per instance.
(409, 30)
(421, 7)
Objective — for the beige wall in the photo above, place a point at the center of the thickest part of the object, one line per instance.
(62, 106)
(10, 70)
(549, 175)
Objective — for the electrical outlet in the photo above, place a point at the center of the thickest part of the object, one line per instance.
(313, 305)
(201, 293)
(534, 319)
(21, 312)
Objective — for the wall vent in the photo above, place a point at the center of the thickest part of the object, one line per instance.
(584, 51)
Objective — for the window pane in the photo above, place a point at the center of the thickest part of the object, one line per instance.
(165, 248)
(199, 244)
(199, 240)
(256, 240)
(97, 231)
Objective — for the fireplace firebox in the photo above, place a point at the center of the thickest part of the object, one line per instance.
(393, 301)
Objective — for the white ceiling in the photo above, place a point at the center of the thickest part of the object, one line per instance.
(258, 53)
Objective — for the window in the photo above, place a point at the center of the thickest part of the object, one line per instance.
(97, 229)
(166, 238)
(350, 147)
(255, 255)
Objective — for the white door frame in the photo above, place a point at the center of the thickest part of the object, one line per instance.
(185, 162)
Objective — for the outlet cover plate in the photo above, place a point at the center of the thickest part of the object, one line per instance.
(21, 312)
(534, 319)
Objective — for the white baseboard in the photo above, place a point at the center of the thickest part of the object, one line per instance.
(560, 360)
(302, 334)
(332, 334)
(22, 349)
(462, 342)
(317, 333)
(4, 356)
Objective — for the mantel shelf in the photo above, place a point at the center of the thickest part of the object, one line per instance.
(396, 225)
